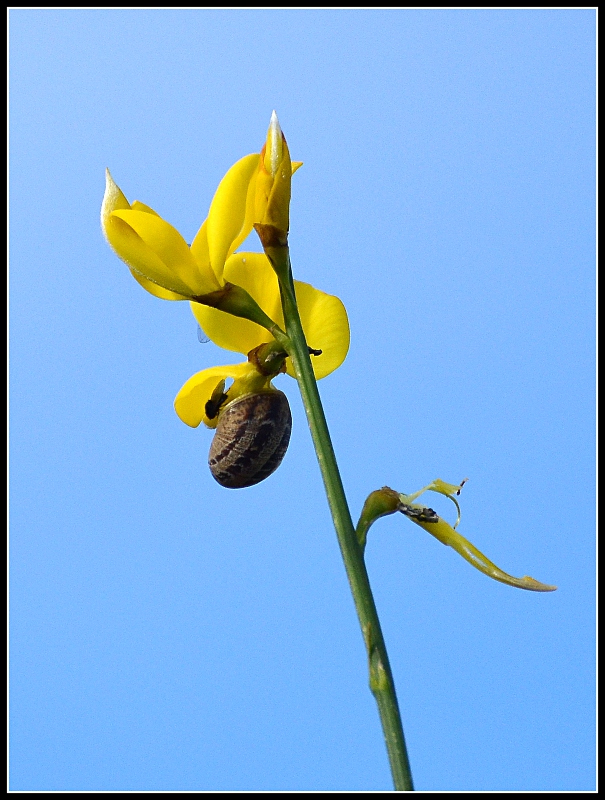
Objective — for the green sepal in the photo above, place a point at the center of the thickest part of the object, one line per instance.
(378, 504)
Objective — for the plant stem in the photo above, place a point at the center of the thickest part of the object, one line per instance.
(381, 678)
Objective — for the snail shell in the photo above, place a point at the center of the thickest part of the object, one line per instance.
(251, 439)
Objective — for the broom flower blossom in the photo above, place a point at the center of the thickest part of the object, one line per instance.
(234, 296)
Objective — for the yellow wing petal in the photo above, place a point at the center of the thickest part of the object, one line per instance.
(138, 206)
(169, 248)
(155, 290)
(199, 248)
(129, 246)
(228, 223)
(253, 273)
(190, 402)
(326, 326)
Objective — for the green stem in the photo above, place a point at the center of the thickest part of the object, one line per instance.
(381, 678)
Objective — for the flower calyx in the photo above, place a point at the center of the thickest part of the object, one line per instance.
(269, 358)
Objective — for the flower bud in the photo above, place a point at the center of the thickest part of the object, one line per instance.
(273, 184)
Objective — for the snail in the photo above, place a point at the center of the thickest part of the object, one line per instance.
(251, 437)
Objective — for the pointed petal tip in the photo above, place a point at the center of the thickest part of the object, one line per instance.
(111, 187)
(274, 126)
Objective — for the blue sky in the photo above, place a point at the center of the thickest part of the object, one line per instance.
(168, 634)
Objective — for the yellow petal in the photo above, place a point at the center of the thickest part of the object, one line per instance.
(274, 146)
(277, 212)
(113, 199)
(323, 316)
(326, 326)
(253, 273)
(173, 266)
(154, 289)
(228, 225)
(190, 402)
(199, 247)
(129, 246)
(138, 206)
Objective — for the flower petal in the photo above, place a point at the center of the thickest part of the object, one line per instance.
(145, 263)
(323, 316)
(199, 247)
(154, 289)
(231, 214)
(326, 326)
(253, 272)
(113, 199)
(140, 257)
(274, 181)
(170, 249)
(190, 402)
(138, 206)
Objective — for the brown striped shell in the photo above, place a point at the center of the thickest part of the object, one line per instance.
(251, 439)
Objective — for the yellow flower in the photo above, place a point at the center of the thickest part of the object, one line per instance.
(156, 253)
(162, 262)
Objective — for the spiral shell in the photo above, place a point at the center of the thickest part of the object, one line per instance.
(251, 439)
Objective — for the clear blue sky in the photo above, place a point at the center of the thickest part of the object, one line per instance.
(168, 634)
